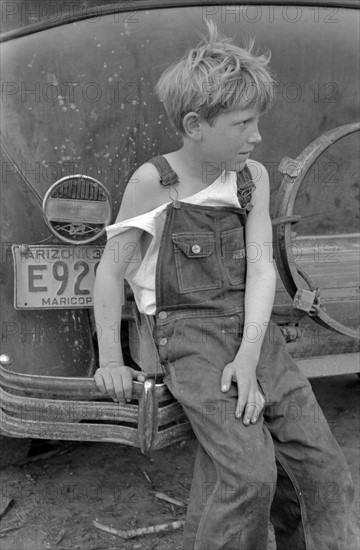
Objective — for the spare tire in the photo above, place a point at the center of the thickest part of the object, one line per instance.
(298, 283)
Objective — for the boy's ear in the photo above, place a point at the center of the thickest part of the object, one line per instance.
(192, 126)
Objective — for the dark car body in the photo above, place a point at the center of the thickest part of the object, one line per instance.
(78, 99)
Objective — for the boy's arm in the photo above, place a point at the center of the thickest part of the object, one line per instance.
(259, 299)
(142, 194)
(261, 275)
(113, 377)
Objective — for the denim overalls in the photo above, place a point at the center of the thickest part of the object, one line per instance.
(287, 467)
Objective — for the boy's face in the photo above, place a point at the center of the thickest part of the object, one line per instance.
(231, 138)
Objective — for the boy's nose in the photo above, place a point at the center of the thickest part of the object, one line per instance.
(255, 136)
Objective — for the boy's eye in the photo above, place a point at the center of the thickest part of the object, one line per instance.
(246, 121)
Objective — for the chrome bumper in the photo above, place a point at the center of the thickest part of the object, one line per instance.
(49, 407)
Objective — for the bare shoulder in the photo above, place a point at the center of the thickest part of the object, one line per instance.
(143, 193)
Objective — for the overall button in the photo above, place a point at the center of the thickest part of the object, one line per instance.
(162, 315)
(196, 248)
(163, 342)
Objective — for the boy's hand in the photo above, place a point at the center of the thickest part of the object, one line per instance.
(116, 380)
(250, 399)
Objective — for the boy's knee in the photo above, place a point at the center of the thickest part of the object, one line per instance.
(261, 480)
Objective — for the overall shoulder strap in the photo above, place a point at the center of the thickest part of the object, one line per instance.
(167, 175)
(245, 187)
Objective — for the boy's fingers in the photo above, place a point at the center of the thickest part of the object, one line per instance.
(118, 387)
(127, 378)
(243, 397)
(226, 378)
(241, 403)
(256, 414)
(239, 409)
(258, 407)
(109, 385)
(139, 376)
(249, 411)
(99, 381)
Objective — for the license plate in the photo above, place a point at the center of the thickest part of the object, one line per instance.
(54, 276)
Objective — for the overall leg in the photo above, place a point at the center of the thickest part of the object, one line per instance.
(204, 475)
(235, 472)
(314, 490)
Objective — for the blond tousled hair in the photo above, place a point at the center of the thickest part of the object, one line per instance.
(214, 77)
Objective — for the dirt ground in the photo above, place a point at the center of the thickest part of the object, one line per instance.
(56, 499)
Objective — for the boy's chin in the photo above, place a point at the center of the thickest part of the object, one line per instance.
(237, 166)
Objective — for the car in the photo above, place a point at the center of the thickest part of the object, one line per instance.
(79, 115)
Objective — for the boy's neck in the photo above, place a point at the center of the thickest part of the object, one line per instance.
(194, 167)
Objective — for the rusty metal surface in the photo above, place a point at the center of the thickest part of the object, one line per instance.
(286, 199)
(42, 342)
(286, 263)
(15, 427)
(18, 427)
(173, 435)
(23, 17)
(113, 108)
(332, 265)
(55, 410)
(328, 365)
(172, 412)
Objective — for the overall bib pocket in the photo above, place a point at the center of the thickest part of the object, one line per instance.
(196, 263)
(234, 255)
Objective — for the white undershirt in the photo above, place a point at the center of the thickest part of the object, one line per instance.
(141, 273)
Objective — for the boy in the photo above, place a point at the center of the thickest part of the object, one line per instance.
(185, 236)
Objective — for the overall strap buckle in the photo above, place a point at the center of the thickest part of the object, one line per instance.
(168, 178)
